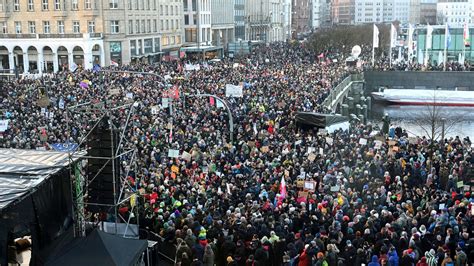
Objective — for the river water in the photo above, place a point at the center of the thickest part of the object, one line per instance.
(401, 115)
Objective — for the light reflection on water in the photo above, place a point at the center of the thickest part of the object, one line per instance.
(400, 116)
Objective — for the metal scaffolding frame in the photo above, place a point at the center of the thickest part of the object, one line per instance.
(80, 179)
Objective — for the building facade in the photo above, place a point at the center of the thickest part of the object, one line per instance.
(454, 12)
(343, 12)
(222, 22)
(51, 35)
(264, 20)
(428, 12)
(300, 22)
(383, 11)
(239, 19)
(197, 22)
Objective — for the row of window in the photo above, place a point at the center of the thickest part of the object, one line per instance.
(76, 28)
(57, 5)
(145, 26)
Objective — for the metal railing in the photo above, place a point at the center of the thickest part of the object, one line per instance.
(50, 35)
(336, 91)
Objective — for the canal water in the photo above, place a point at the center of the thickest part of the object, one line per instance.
(459, 120)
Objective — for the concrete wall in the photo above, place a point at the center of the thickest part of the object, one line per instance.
(418, 80)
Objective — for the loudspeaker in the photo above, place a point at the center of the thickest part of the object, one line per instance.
(100, 170)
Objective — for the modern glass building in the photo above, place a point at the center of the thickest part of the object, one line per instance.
(455, 50)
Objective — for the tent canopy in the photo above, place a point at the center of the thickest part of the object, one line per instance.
(319, 120)
(99, 248)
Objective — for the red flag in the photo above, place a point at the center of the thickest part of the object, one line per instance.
(212, 101)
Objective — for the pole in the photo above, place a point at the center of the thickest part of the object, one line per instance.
(373, 55)
(445, 47)
(198, 31)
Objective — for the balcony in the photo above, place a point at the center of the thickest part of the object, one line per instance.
(17, 36)
(52, 36)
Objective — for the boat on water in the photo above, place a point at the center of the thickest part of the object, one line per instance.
(425, 97)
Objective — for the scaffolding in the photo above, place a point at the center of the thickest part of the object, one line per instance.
(81, 179)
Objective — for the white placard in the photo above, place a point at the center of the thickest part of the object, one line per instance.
(155, 110)
(129, 95)
(329, 140)
(173, 153)
(165, 102)
(362, 141)
(219, 104)
(191, 67)
(378, 144)
(186, 156)
(233, 91)
(298, 142)
(4, 125)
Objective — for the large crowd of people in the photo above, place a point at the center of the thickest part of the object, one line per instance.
(279, 194)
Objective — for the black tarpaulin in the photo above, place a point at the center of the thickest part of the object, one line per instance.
(99, 248)
(318, 119)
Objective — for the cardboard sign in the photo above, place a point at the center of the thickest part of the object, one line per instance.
(362, 141)
(311, 157)
(460, 184)
(378, 144)
(303, 194)
(310, 185)
(300, 183)
(114, 92)
(264, 149)
(335, 188)
(186, 156)
(173, 153)
(165, 102)
(412, 140)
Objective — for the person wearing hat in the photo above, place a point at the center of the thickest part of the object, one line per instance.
(320, 260)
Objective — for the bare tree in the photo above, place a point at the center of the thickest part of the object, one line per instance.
(434, 121)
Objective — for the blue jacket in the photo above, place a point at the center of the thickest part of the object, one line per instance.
(375, 261)
(393, 258)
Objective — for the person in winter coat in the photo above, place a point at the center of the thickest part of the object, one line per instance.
(208, 258)
(422, 262)
(393, 259)
(430, 258)
(406, 259)
(305, 259)
(375, 261)
(447, 261)
(461, 257)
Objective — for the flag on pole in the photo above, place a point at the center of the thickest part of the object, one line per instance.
(447, 37)
(429, 36)
(113, 63)
(282, 188)
(411, 30)
(393, 36)
(376, 37)
(467, 41)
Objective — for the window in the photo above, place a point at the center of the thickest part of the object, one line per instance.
(31, 5)
(186, 19)
(45, 5)
(74, 5)
(143, 26)
(16, 5)
(130, 26)
(57, 4)
(17, 27)
(46, 27)
(3, 26)
(32, 27)
(113, 4)
(148, 25)
(137, 26)
(155, 25)
(90, 26)
(130, 4)
(76, 27)
(60, 27)
(114, 27)
(87, 4)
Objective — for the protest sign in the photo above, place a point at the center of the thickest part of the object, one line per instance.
(155, 110)
(362, 141)
(310, 185)
(173, 153)
(4, 125)
(233, 91)
(186, 156)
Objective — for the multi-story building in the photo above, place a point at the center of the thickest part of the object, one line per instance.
(454, 12)
(50, 35)
(428, 12)
(239, 19)
(171, 26)
(197, 21)
(320, 15)
(222, 22)
(415, 12)
(382, 11)
(343, 12)
(264, 20)
(300, 22)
